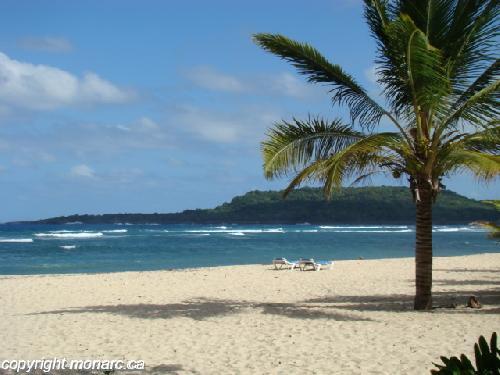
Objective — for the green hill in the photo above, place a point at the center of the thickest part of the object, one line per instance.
(364, 205)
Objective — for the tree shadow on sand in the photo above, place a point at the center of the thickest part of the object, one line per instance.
(472, 283)
(336, 307)
(307, 310)
(329, 307)
(201, 309)
(442, 301)
(467, 270)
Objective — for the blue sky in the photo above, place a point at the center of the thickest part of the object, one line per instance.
(158, 106)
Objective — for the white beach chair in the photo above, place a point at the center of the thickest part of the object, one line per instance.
(279, 263)
(316, 266)
(304, 263)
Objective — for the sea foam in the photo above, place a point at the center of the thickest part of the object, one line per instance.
(229, 231)
(16, 240)
(375, 231)
(365, 227)
(460, 229)
(72, 235)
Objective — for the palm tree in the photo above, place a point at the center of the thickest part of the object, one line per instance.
(438, 68)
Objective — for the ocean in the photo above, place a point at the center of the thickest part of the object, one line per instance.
(78, 248)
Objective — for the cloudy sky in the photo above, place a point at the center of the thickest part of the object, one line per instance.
(158, 106)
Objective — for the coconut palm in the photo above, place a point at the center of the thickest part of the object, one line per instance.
(439, 73)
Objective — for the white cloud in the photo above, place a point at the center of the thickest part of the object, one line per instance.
(146, 124)
(46, 43)
(144, 128)
(86, 140)
(283, 84)
(94, 89)
(203, 125)
(211, 79)
(216, 127)
(290, 85)
(42, 87)
(85, 146)
(82, 170)
(371, 74)
(111, 176)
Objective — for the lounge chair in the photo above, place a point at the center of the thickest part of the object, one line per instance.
(304, 263)
(316, 266)
(279, 263)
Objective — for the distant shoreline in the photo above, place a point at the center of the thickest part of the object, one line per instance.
(361, 205)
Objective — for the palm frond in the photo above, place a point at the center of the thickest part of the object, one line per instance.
(486, 141)
(292, 145)
(363, 177)
(487, 104)
(484, 166)
(313, 172)
(432, 17)
(477, 109)
(365, 155)
(377, 16)
(311, 63)
(490, 75)
(455, 42)
(420, 81)
(471, 41)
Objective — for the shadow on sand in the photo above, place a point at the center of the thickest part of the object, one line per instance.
(337, 307)
(329, 307)
(490, 299)
(467, 270)
(201, 309)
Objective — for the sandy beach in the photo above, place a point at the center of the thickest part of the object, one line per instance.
(354, 319)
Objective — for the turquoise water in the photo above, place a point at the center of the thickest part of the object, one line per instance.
(49, 249)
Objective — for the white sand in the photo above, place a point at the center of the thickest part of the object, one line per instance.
(354, 319)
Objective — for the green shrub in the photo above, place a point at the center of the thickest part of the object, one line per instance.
(487, 360)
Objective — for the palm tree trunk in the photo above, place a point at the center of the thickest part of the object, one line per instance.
(423, 247)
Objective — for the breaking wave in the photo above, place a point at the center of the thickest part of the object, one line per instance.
(375, 231)
(68, 247)
(365, 227)
(16, 240)
(70, 235)
(229, 231)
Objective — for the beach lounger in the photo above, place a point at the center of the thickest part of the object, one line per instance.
(279, 263)
(305, 263)
(316, 266)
